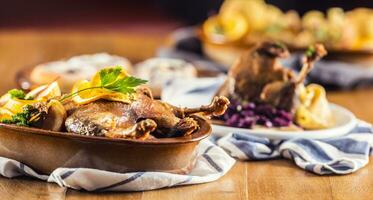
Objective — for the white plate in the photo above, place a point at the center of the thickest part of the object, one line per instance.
(345, 122)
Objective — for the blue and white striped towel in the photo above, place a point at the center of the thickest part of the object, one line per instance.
(340, 155)
(212, 163)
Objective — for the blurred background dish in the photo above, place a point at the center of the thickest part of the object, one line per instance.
(73, 69)
(241, 24)
(159, 71)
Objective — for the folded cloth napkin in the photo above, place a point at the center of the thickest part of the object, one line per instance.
(211, 164)
(341, 155)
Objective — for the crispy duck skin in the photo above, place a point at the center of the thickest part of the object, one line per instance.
(144, 118)
(258, 76)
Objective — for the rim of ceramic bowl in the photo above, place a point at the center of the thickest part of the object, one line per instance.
(203, 132)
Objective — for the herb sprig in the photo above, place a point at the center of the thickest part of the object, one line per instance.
(27, 117)
(110, 79)
(310, 51)
(16, 93)
(19, 94)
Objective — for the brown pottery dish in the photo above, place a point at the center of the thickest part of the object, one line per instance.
(44, 150)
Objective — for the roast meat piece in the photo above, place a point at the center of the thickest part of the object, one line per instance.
(258, 76)
(143, 118)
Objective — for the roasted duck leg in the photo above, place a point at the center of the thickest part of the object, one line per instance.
(281, 93)
(314, 54)
(141, 119)
(216, 108)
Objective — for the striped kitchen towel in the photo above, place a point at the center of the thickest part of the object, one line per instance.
(341, 155)
(212, 163)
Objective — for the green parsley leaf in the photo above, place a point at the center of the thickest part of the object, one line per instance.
(15, 93)
(109, 75)
(110, 80)
(280, 45)
(125, 85)
(310, 51)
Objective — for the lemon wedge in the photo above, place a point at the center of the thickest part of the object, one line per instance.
(125, 98)
(5, 114)
(52, 90)
(88, 94)
(16, 105)
(33, 93)
(45, 92)
(88, 91)
(5, 98)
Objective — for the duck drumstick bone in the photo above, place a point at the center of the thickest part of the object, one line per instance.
(216, 108)
(312, 55)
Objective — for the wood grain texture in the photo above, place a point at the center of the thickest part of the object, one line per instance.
(277, 179)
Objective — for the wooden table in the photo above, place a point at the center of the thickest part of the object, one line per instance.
(278, 179)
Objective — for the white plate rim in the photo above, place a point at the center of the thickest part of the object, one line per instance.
(221, 130)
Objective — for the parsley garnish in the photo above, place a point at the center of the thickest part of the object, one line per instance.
(310, 51)
(110, 79)
(15, 93)
(109, 75)
(27, 117)
(19, 94)
(280, 45)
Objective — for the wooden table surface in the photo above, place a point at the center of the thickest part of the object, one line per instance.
(278, 179)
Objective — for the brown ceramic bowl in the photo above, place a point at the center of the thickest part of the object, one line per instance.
(44, 150)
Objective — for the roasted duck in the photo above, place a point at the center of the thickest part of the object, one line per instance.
(266, 94)
(143, 118)
(258, 76)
